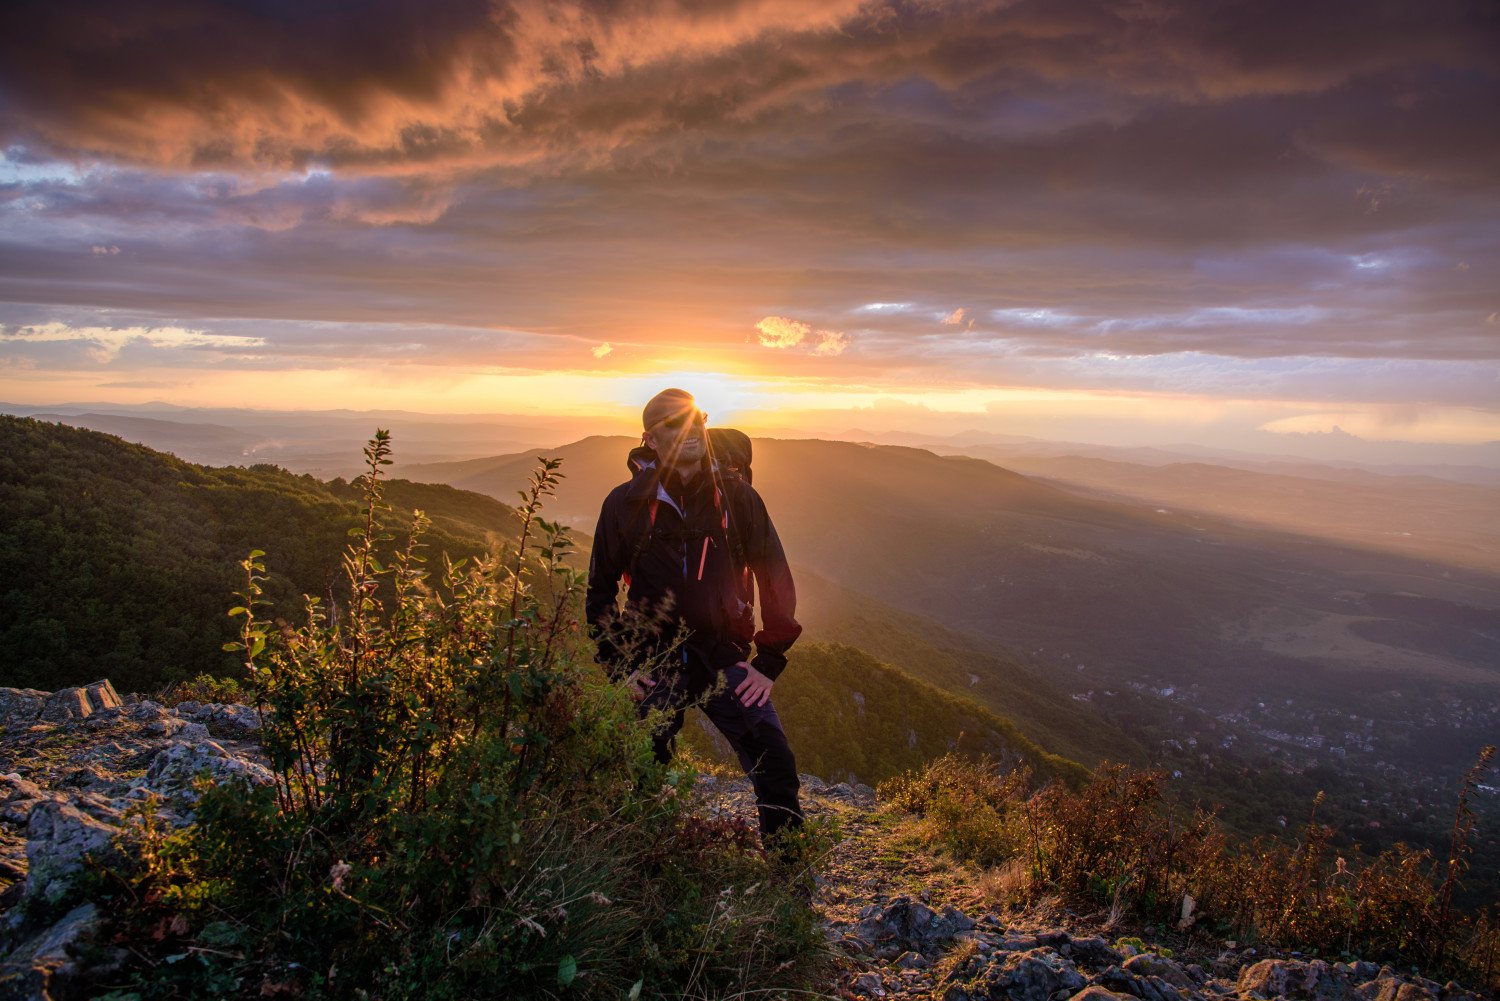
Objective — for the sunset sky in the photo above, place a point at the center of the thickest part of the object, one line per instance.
(1130, 221)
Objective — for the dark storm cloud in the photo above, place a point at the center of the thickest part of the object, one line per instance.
(1083, 179)
(389, 82)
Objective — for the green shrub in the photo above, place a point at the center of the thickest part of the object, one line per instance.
(969, 805)
(205, 688)
(462, 807)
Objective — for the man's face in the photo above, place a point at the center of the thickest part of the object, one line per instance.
(678, 438)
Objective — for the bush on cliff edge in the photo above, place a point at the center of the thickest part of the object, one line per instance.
(461, 808)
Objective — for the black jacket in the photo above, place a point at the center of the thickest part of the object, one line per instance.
(692, 568)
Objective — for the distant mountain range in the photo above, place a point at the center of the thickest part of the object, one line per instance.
(1422, 517)
(326, 442)
(1331, 454)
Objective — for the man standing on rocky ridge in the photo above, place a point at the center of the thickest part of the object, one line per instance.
(691, 541)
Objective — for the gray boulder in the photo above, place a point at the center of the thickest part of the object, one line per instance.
(17, 798)
(1149, 964)
(231, 722)
(907, 924)
(59, 839)
(1390, 987)
(1146, 986)
(175, 769)
(21, 706)
(176, 726)
(146, 710)
(73, 704)
(1096, 993)
(48, 964)
(1034, 975)
(1293, 978)
(1091, 952)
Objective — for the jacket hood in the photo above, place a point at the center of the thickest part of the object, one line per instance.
(640, 458)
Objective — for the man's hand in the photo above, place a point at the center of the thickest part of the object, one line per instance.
(755, 690)
(640, 686)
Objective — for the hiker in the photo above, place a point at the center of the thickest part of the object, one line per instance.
(690, 539)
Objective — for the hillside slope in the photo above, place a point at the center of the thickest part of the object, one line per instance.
(123, 561)
(905, 913)
(1419, 517)
(850, 717)
(960, 663)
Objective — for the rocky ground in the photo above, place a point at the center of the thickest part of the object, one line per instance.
(900, 923)
(75, 767)
(903, 924)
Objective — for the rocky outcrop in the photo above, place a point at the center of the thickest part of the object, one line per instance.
(24, 706)
(953, 957)
(74, 765)
(884, 915)
(77, 766)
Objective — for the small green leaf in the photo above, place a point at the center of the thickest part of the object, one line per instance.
(567, 969)
(635, 990)
(221, 934)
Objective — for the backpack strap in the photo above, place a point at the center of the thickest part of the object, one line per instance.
(724, 523)
(640, 543)
(723, 510)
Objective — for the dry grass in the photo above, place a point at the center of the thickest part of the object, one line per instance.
(1007, 885)
(1117, 845)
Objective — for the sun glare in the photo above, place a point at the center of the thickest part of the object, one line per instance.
(721, 395)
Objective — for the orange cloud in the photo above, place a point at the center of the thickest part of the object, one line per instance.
(831, 343)
(782, 332)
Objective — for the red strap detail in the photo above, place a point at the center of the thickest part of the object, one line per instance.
(704, 558)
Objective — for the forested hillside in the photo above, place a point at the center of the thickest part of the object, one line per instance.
(120, 562)
(978, 671)
(850, 716)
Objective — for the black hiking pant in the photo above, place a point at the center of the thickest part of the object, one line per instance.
(754, 733)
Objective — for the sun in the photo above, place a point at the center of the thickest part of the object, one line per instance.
(720, 395)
